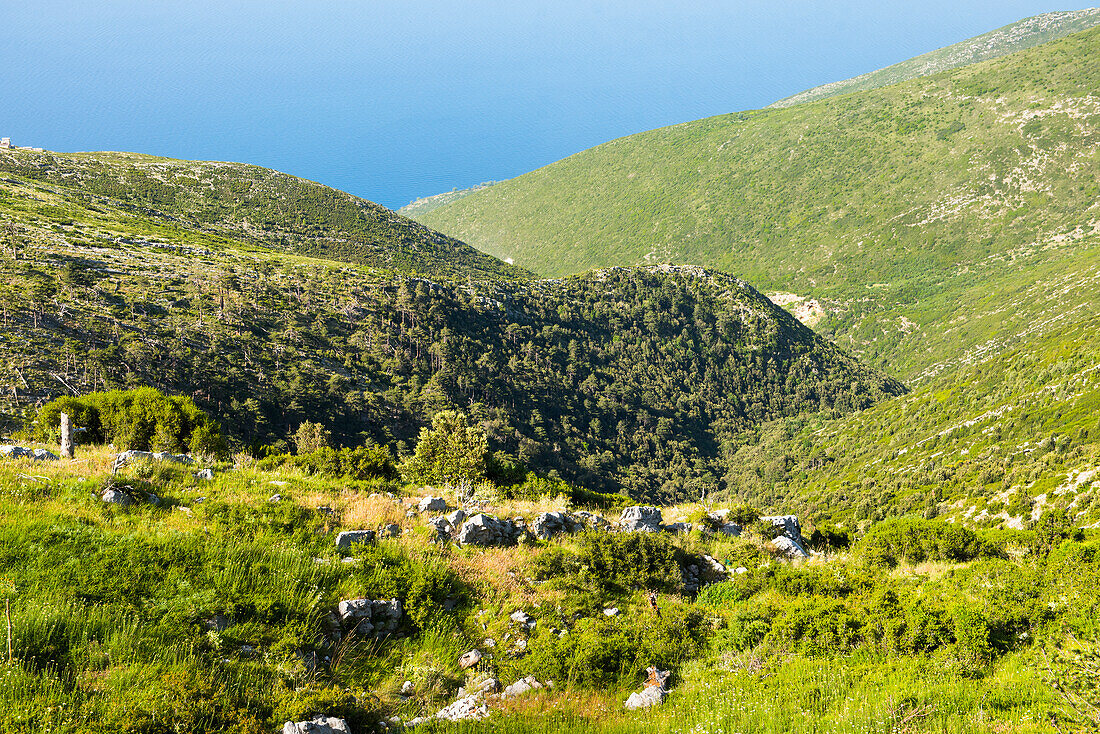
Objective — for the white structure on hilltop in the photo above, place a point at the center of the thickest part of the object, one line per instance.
(5, 143)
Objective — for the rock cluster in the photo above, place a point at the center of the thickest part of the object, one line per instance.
(486, 530)
(370, 617)
(318, 725)
(19, 452)
(520, 687)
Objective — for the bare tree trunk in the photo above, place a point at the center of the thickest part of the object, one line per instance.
(66, 437)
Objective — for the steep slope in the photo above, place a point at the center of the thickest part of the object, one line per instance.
(632, 379)
(897, 209)
(1026, 33)
(258, 205)
(994, 442)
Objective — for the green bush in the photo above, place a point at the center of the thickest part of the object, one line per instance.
(143, 419)
(816, 626)
(617, 562)
(915, 540)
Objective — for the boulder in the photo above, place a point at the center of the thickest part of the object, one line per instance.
(125, 457)
(442, 527)
(432, 504)
(678, 527)
(788, 526)
(640, 518)
(488, 531)
(790, 548)
(520, 687)
(351, 537)
(318, 725)
(469, 659)
(654, 693)
(391, 531)
(456, 517)
(115, 497)
(206, 474)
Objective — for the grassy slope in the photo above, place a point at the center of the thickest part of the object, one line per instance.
(1026, 33)
(256, 205)
(897, 208)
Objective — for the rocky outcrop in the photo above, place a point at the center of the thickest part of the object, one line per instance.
(641, 519)
(488, 531)
(318, 725)
(470, 708)
(790, 541)
(370, 617)
(654, 693)
(592, 520)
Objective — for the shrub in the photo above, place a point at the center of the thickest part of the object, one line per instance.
(143, 419)
(617, 562)
(816, 626)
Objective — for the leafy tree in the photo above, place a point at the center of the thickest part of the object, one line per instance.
(450, 452)
(311, 438)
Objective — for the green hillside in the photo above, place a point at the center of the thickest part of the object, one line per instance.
(622, 379)
(913, 215)
(1017, 36)
(253, 204)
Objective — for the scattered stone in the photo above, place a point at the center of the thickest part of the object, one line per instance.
(611, 612)
(443, 528)
(640, 518)
(678, 527)
(275, 498)
(407, 688)
(520, 687)
(714, 565)
(206, 474)
(523, 618)
(740, 570)
(217, 623)
(278, 482)
(391, 531)
(469, 708)
(127, 456)
(593, 521)
(319, 725)
(469, 659)
(350, 537)
(653, 694)
(456, 517)
(432, 504)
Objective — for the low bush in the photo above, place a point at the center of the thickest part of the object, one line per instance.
(616, 562)
(914, 540)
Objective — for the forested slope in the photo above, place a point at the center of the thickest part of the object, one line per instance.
(632, 379)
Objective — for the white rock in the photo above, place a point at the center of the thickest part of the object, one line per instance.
(319, 725)
(469, 659)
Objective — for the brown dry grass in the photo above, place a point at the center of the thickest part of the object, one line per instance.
(500, 569)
